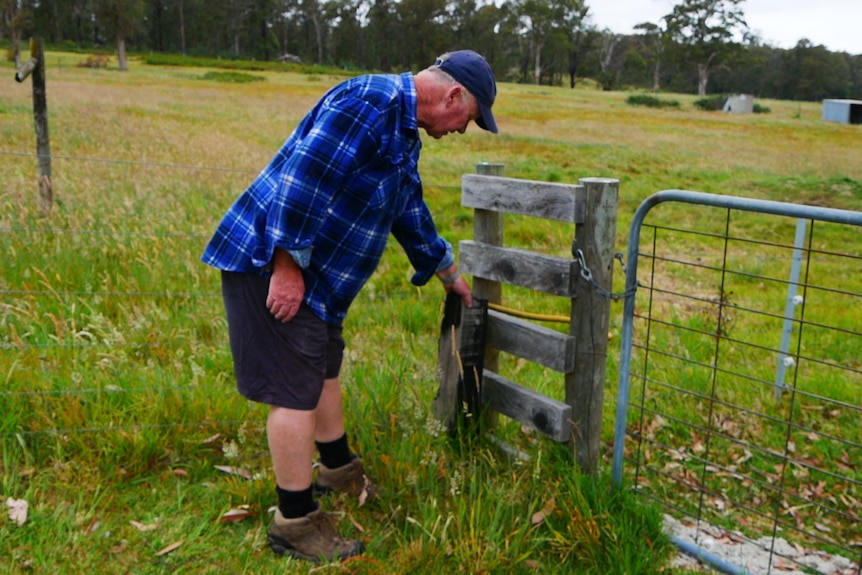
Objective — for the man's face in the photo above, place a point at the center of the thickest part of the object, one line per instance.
(452, 114)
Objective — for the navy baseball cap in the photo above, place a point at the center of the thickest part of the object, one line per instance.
(472, 71)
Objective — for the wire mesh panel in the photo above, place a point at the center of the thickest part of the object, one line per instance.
(741, 381)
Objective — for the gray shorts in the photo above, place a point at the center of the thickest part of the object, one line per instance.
(281, 364)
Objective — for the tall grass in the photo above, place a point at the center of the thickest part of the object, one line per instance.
(117, 398)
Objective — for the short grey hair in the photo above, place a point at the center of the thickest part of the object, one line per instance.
(445, 78)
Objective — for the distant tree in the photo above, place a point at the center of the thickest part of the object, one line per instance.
(158, 14)
(757, 72)
(421, 31)
(382, 33)
(705, 30)
(813, 73)
(347, 44)
(577, 34)
(312, 19)
(655, 40)
(854, 63)
(609, 60)
(479, 26)
(536, 20)
(181, 17)
(15, 18)
(124, 17)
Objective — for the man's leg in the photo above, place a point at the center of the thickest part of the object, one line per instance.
(299, 527)
(329, 424)
(340, 470)
(290, 435)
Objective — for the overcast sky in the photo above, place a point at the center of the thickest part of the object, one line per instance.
(836, 24)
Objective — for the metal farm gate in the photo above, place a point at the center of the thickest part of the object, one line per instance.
(740, 380)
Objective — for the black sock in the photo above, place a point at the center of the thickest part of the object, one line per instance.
(334, 453)
(293, 504)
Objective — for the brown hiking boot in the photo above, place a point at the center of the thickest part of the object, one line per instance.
(348, 479)
(311, 537)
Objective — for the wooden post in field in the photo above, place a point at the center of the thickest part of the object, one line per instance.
(488, 229)
(590, 317)
(36, 67)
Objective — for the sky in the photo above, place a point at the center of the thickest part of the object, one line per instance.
(836, 24)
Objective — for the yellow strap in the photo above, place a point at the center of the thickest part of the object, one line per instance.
(535, 316)
(528, 315)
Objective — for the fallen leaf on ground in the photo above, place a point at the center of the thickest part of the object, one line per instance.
(210, 439)
(143, 527)
(546, 510)
(823, 528)
(235, 471)
(356, 524)
(169, 548)
(237, 514)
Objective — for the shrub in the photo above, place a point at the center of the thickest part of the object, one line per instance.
(232, 77)
(96, 61)
(711, 103)
(758, 109)
(650, 101)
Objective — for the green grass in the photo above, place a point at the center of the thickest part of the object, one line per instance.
(117, 398)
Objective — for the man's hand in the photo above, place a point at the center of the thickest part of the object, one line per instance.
(453, 282)
(286, 287)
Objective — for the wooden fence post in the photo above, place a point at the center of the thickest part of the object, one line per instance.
(488, 229)
(36, 67)
(590, 317)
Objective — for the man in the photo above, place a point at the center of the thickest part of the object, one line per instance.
(298, 245)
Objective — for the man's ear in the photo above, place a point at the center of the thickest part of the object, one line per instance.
(453, 94)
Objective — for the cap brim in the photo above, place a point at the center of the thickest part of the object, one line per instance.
(487, 121)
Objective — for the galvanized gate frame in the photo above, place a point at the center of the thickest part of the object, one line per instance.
(831, 215)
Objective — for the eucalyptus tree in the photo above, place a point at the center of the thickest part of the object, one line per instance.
(854, 64)
(313, 28)
(260, 20)
(577, 33)
(124, 18)
(655, 39)
(15, 18)
(536, 20)
(479, 26)
(811, 72)
(705, 30)
(382, 34)
(346, 32)
(421, 33)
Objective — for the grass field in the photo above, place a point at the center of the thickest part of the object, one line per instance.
(117, 400)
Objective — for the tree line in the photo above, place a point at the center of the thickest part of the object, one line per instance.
(701, 46)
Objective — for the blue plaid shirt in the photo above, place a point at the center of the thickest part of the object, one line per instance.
(342, 182)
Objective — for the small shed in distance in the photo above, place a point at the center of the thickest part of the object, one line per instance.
(740, 104)
(843, 111)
